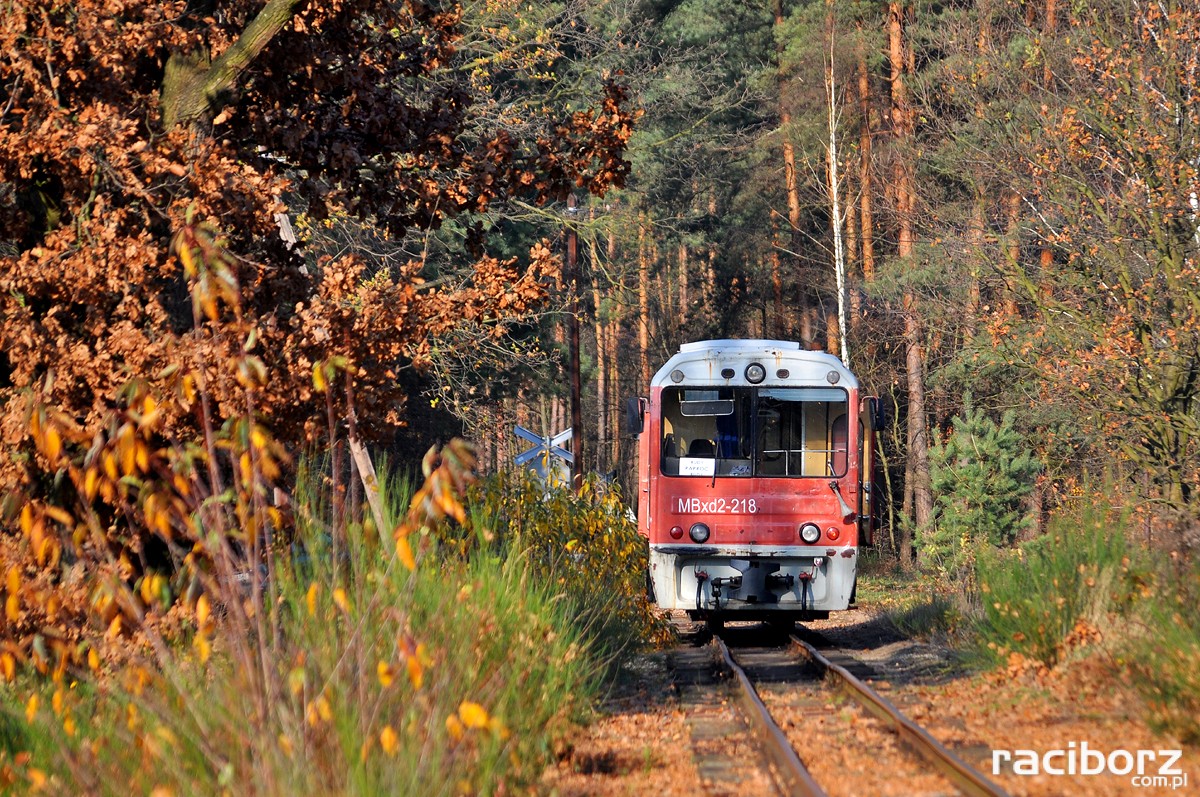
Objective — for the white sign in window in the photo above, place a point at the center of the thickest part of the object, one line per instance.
(697, 466)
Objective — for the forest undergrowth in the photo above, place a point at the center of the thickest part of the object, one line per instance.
(1085, 590)
(446, 660)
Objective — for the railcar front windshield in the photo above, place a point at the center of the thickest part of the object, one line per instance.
(744, 431)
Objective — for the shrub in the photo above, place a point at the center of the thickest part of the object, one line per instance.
(1165, 658)
(385, 669)
(1034, 598)
(586, 543)
(980, 475)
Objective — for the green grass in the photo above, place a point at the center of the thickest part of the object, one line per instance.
(1165, 657)
(1032, 599)
(453, 678)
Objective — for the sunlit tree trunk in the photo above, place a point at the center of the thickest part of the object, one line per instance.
(918, 443)
(602, 429)
(835, 334)
(790, 182)
(866, 223)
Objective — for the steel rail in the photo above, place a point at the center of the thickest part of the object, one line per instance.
(961, 774)
(775, 742)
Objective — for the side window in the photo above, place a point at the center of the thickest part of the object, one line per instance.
(802, 432)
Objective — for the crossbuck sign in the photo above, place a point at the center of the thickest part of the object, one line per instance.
(547, 457)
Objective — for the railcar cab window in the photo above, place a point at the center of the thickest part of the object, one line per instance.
(802, 432)
(707, 432)
(735, 431)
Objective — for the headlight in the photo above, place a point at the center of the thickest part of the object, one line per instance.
(755, 373)
(699, 532)
(810, 533)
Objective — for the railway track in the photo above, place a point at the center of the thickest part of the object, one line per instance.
(784, 691)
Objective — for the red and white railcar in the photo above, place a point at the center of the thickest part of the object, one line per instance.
(755, 461)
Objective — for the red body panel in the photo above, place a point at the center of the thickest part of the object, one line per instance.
(745, 510)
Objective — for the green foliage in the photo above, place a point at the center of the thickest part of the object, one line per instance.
(980, 473)
(1166, 663)
(444, 675)
(1034, 599)
(586, 544)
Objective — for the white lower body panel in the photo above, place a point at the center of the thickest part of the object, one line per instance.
(735, 578)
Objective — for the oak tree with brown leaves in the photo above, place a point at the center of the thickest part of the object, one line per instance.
(147, 150)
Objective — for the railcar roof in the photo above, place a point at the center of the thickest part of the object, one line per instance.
(702, 361)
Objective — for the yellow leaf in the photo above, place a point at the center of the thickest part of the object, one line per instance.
(285, 744)
(310, 599)
(31, 708)
(53, 444)
(93, 659)
(189, 262)
(209, 306)
(318, 711)
(26, 519)
(69, 725)
(388, 740)
(339, 599)
(114, 628)
(203, 647)
(12, 608)
(161, 791)
(405, 552)
(8, 665)
(454, 727)
(319, 383)
(202, 611)
(387, 673)
(296, 680)
(37, 779)
(497, 727)
(13, 580)
(416, 671)
(473, 715)
(127, 450)
(56, 702)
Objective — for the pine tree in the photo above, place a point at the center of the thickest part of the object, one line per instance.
(980, 475)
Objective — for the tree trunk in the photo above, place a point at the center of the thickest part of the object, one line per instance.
(790, 181)
(975, 241)
(864, 161)
(918, 443)
(835, 333)
(602, 427)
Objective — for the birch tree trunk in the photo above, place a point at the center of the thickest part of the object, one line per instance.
(839, 258)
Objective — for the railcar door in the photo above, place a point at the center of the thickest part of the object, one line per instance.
(868, 425)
